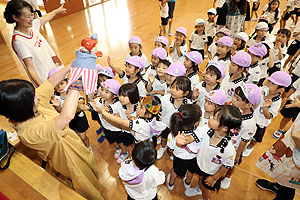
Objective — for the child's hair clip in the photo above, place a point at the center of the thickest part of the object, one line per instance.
(179, 113)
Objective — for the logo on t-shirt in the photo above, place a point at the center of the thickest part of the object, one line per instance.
(216, 159)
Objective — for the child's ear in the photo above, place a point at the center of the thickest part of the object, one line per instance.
(219, 80)
(224, 128)
(186, 93)
(249, 105)
(280, 90)
(148, 115)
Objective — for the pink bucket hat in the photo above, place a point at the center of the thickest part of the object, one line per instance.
(53, 71)
(182, 30)
(159, 52)
(258, 49)
(242, 59)
(176, 69)
(195, 56)
(280, 78)
(225, 31)
(217, 97)
(217, 65)
(136, 61)
(226, 40)
(162, 39)
(252, 92)
(112, 85)
(107, 71)
(131, 174)
(135, 40)
(98, 67)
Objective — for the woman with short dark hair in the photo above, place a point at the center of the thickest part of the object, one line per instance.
(30, 46)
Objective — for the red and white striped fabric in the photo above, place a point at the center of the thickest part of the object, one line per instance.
(89, 79)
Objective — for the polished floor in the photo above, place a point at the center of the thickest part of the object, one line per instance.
(115, 21)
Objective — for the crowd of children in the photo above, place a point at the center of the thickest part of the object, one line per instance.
(206, 121)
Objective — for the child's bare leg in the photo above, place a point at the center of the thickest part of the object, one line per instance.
(287, 60)
(170, 24)
(230, 172)
(252, 143)
(123, 147)
(84, 139)
(283, 123)
(205, 192)
(173, 177)
(189, 177)
(163, 142)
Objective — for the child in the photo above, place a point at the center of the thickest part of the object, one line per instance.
(239, 42)
(163, 42)
(224, 52)
(178, 47)
(135, 48)
(259, 36)
(255, 7)
(245, 98)
(266, 62)
(198, 38)
(213, 100)
(180, 94)
(79, 123)
(239, 63)
(157, 55)
(147, 124)
(126, 107)
(213, 76)
(272, 10)
(157, 84)
(216, 153)
(210, 25)
(186, 120)
(287, 13)
(257, 52)
(279, 51)
(288, 112)
(139, 175)
(164, 10)
(212, 50)
(132, 74)
(294, 46)
(268, 106)
(191, 62)
(108, 96)
(175, 69)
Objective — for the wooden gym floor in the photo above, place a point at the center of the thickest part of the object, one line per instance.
(115, 21)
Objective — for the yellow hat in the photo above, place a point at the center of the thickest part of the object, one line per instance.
(147, 101)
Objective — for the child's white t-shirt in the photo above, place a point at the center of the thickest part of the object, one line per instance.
(248, 129)
(194, 78)
(273, 109)
(150, 70)
(271, 15)
(140, 83)
(252, 41)
(198, 41)
(158, 86)
(275, 53)
(291, 5)
(296, 87)
(229, 86)
(210, 28)
(254, 71)
(203, 92)
(212, 49)
(183, 49)
(263, 65)
(296, 66)
(164, 10)
(209, 158)
(147, 189)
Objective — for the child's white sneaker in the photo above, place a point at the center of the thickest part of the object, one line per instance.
(117, 153)
(247, 151)
(185, 184)
(170, 33)
(190, 192)
(161, 152)
(277, 133)
(225, 183)
(122, 157)
(170, 187)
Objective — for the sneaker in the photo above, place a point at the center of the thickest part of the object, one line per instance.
(117, 153)
(161, 152)
(266, 185)
(122, 157)
(170, 187)
(170, 33)
(247, 151)
(190, 192)
(172, 157)
(225, 183)
(278, 133)
(185, 184)
(158, 141)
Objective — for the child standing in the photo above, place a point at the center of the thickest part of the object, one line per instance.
(259, 36)
(164, 13)
(135, 48)
(126, 107)
(191, 62)
(255, 7)
(245, 98)
(239, 42)
(212, 50)
(180, 94)
(175, 69)
(198, 38)
(266, 62)
(186, 120)
(132, 74)
(213, 76)
(269, 106)
(279, 51)
(239, 63)
(178, 47)
(287, 13)
(210, 25)
(272, 10)
(216, 153)
(139, 175)
(257, 52)
(294, 46)
(157, 55)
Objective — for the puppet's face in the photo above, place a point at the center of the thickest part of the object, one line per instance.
(88, 43)
(279, 149)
